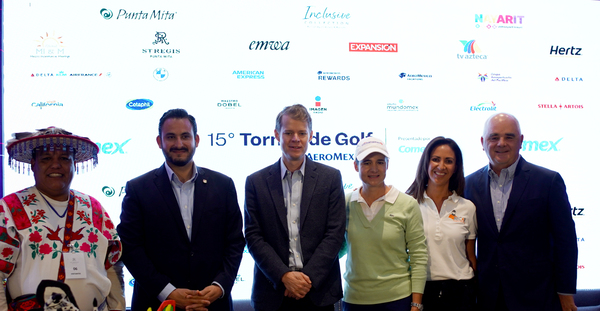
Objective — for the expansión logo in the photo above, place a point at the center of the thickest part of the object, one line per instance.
(50, 46)
(141, 15)
(559, 106)
(493, 77)
(269, 45)
(569, 79)
(160, 74)
(139, 104)
(498, 21)
(331, 76)
(485, 106)
(540, 145)
(471, 50)
(401, 107)
(161, 37)
(229, 104)
(373, 47)
(558, 51)
(317, 108)
(317, 18)
(50, 103)
(249, 74)
(414, 77)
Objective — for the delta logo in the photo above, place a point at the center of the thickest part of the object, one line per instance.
(493, 77)
(489, 21)
(50, 45)
(568, 79)
(325, 18)
(560, 106)
(318, 108)
(76, 74)
(471, 50)
(331, 76)
(373, 47)
(485, 106)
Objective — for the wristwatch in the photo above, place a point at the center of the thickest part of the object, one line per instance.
(418, 305)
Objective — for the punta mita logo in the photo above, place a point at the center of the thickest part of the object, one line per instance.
(485, 106)
(471, 50)
(498, 21)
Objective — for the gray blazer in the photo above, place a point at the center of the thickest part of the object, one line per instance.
(322, 221)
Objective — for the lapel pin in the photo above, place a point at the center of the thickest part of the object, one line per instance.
(204, 180)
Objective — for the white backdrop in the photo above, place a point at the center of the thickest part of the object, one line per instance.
(83, 65)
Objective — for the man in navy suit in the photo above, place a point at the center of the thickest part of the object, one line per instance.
(527, 247)
(181, 226)
(295, 220)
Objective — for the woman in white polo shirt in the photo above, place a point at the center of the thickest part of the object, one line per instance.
(450, 227)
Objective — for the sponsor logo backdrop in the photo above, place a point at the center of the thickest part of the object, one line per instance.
(400, 70)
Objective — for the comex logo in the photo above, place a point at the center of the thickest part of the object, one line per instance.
(107, 148)
(543, 145)
(161, 74)
(106, 13)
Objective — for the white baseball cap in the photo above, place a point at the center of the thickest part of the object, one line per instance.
(368, 145)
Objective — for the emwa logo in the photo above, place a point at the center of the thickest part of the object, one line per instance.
(543, 145)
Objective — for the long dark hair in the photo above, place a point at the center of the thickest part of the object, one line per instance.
(457, 180)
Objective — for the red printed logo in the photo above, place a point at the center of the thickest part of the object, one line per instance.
(373, 47)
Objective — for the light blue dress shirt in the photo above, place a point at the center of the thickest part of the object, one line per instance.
(500, 188)
(292, 183)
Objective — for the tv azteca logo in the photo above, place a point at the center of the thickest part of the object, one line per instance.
(471, 49)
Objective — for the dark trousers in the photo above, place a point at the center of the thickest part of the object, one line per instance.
(304, 304)
(449, 295)
(397, 305)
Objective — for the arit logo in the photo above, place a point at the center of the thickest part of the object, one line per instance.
(498, 21)
(373, 47)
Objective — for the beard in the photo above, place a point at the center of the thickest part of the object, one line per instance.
(179, 161)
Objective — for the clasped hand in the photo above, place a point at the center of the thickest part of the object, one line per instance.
(297, 284)
(194, 299)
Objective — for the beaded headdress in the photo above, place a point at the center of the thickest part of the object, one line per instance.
(21, 147)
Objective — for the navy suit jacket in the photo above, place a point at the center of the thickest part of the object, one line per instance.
(156, 248)
(322, 224)
(534, 256)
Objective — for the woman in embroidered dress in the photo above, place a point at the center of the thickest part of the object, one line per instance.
(384, 229)
(50, 231)
(450, 227)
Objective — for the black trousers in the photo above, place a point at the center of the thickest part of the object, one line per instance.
(450, 295)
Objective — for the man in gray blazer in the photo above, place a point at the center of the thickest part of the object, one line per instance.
(295, 218)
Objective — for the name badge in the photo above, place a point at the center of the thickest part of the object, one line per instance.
(75, 266)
